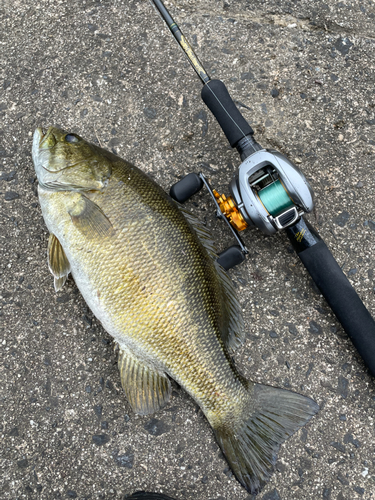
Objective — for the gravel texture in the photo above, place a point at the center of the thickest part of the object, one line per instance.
(303, 74)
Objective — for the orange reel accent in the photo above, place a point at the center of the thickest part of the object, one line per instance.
(231, 212)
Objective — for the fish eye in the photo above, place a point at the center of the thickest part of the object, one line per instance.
(71, 138)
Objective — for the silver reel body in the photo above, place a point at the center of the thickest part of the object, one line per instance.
(269, 169)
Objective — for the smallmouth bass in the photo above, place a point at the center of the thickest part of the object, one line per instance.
(148, 271)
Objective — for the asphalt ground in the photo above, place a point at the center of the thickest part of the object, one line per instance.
(303, 74)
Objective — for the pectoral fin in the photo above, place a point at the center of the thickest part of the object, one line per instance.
(89, 219)
(146, 389)
(57, 262)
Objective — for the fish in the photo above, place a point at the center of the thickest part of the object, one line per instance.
(148, 270)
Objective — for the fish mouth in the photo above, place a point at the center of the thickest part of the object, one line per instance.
(39, 134)
(40, 137)
(44, 135)
(43, 132)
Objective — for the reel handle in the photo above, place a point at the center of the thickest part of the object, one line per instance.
(336, 289)
(216, 97)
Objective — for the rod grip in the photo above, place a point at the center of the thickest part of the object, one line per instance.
(343, 300)
(216, 97)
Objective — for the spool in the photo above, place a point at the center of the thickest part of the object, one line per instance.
(275, 198)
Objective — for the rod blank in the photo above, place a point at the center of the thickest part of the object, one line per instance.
(184, 44)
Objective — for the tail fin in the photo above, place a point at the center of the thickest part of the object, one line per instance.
(252, 445)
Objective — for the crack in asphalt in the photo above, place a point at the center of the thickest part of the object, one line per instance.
(283, 21)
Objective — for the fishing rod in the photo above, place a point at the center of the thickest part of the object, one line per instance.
(269, 192)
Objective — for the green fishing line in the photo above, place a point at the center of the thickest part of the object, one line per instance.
(275, 198)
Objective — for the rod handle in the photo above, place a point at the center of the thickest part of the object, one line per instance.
(216, 97)
(343, 300)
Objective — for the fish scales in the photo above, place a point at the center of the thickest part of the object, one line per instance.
(148, 272)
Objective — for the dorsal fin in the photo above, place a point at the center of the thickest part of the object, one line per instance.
(232, 331)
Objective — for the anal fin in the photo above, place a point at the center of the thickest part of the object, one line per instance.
(146, 389)
(58, 262)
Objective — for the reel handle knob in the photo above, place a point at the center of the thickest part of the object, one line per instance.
(231, 257)
(186, 187)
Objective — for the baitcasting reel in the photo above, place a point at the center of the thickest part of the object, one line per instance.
(269, 193)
